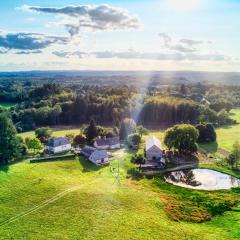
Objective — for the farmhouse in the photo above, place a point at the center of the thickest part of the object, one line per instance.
(154, 151)
(98, 157)
(107, 143)
(58, 145)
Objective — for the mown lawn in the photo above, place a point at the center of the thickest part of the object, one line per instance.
(99, 208)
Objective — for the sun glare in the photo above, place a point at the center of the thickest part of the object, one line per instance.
(184, 5)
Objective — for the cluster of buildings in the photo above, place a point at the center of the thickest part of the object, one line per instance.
(99, 155)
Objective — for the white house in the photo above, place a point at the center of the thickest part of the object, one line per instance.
(154, 150)
(58, 145)
(98, 157)
(107, 143)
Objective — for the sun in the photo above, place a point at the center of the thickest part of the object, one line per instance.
(184, 5)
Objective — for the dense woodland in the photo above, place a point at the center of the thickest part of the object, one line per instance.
(51, 104)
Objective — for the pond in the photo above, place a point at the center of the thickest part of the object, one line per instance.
(202, 179)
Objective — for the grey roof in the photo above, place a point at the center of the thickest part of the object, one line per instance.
(153, 141)
(108, 141)
(99, 154)
(56, 142)
(87, 151)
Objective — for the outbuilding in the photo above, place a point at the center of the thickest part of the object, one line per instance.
(58, 145)
(98, 157)
(153, 149)
(107, 143)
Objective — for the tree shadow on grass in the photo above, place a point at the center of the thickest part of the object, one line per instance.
(134, 174)
(87, 165)
(209, 147)
(4, 168)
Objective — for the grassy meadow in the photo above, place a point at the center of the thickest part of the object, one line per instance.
(56, 133)
(73, 199)
(81, 201)
(226, 136)
(7, 104)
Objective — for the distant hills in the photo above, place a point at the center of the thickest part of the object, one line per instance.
(126, 77)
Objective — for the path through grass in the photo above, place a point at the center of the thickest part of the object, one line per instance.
(98, 209)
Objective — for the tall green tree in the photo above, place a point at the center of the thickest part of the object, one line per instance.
(43, 133)
(206, 133)
(182, 137)
(10, 145)
(91, 131)
(134, 140)
(234, 157)
(128, 126)
(138, 159)
(34, 144)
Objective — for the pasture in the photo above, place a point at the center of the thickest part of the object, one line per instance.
(73, 199)
(227, 136)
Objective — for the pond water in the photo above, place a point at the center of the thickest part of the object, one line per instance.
(202, 179)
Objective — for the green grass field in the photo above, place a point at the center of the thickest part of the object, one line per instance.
(7, 104)
(72, 199)
(226, 136)
(56, 133)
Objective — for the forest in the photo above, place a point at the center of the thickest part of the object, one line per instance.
(53, 103)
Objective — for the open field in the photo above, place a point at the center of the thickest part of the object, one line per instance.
(75, 200)
(56, 133)
(226, 136)
(7, 104)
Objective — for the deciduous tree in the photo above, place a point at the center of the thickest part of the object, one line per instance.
(182, 137)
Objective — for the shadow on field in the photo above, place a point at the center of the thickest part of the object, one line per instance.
(209, 147)
(134, 174)
(4, 168)
(87, 165)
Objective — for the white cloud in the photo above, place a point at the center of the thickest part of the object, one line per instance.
(91, 17)
(177, 56)
(182, 45)
(28, 41)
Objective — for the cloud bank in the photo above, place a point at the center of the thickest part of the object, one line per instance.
(144, 56)
(28, 41)
(93, 17)
(182, 45)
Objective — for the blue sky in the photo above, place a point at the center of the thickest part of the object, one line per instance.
(196, 35)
